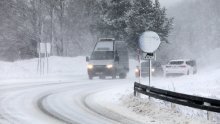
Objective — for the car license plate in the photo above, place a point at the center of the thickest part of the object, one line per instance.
(98, 73)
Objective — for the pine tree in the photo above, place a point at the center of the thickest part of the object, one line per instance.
(112, 18)
(127, 20)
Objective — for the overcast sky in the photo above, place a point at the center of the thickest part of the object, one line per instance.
(168, 3)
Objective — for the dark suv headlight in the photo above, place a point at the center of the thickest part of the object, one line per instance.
(109, 66)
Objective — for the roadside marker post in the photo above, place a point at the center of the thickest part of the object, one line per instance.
(44, 51)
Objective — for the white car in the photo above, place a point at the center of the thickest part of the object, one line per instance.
(180, 67)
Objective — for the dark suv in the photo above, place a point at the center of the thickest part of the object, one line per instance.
(156, 69)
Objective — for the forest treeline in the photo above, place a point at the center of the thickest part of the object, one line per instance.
(73, 26)
(25, 23)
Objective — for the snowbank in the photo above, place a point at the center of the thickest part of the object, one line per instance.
(205, 83)
(57, 66)
(121, 101)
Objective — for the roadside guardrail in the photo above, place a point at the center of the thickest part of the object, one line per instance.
(198, 102)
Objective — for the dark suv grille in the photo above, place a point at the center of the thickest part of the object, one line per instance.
(99, 68)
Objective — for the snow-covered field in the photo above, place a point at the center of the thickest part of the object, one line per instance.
(59, 66)
(65, 95)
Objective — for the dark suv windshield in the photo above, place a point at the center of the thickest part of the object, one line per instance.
(176, 62)
(102, 55)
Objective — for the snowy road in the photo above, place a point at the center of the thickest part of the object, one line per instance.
(54, 102)
(77, 100)
(66, 95)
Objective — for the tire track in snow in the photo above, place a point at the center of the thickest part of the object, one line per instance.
(83, 103)
(77, 111)
(53, 114)
(39, 93)
(10, 95)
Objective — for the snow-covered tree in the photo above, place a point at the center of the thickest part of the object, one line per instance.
(127, 19)
(72, 26)
(64, 23)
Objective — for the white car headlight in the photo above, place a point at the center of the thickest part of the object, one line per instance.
(109, 66)
(90, 66)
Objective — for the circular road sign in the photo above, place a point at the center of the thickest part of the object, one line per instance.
(149, 42)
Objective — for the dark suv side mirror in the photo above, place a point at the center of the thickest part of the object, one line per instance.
(87, 59)
(117, 58)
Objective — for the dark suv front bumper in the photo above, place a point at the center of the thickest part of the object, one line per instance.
(101, 70)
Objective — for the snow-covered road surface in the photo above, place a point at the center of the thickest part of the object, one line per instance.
(53, 103)
(80, 101)
(68, 104)
(19, 104)
(66, 95)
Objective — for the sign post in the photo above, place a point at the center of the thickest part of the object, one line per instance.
(149, 43)
(44, 50)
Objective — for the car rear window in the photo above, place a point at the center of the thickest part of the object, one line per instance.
(176, 62)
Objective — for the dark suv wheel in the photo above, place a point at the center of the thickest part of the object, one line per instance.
(90, 77)
(122, 75)
(102, 77)
(113, 76)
